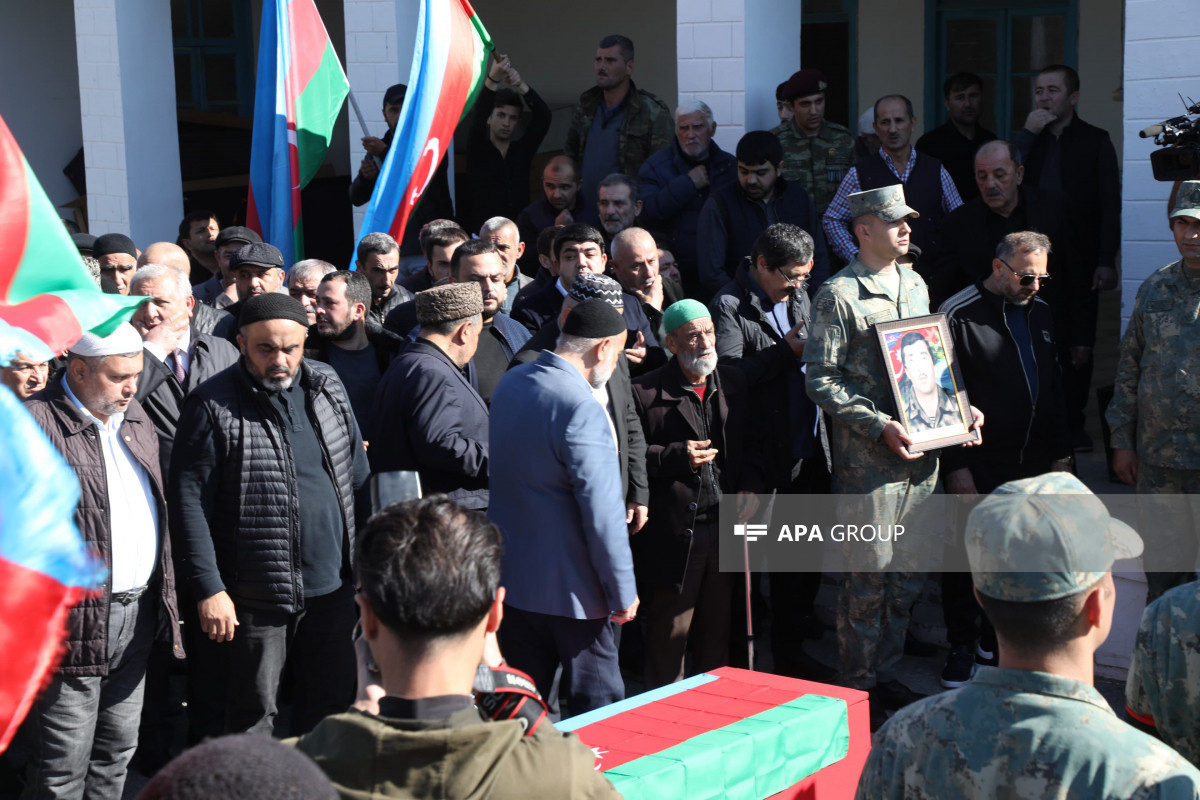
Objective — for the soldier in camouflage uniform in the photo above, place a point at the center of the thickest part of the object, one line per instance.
(1040, 729)
(1155, 411)
(1163, 689)
(847, 378)
(816, 152)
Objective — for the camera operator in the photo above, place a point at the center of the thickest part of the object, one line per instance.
(431, 602)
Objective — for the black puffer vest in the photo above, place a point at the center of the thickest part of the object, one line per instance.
(923, 191)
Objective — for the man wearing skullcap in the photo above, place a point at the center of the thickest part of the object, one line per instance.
(427, 416)
(1041, 552)
(557, 498)
(698, 424)
(265, 494)
(118, 259)
(816, 152)
(84, 725)
(631, 442)
(242, 767)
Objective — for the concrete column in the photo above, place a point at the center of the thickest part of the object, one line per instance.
(732, 54)
(379, 44)
(127, 103)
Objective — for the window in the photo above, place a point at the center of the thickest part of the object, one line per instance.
(214, 66)
(1006, 45)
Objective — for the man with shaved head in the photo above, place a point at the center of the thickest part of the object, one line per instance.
(635, 265)
(505, 235)
(168, 254)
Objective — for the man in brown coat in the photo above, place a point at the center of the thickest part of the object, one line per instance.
(700, 443)
(85, 724)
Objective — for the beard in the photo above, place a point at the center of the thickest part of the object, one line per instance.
(276, 379)
(702, 364)
(601, 375)
(334, 335)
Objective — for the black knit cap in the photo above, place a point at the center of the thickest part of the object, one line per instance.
(594, 319)
(113, 243)
(240, 767)
(236, 233)
(272, 305)
(257, 254)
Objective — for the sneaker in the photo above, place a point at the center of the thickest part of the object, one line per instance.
(985, 658)
(894, 695)
(960, 667)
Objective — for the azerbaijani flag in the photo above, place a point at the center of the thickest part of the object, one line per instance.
(45, 290)
(297, 97)
(449, 65)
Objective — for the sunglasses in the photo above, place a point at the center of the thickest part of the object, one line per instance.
(1027, 279)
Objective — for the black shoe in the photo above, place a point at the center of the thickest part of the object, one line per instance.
(878, 714)
(800, 664)
(986, 658)
(915, 647)
(1081, 442)
(894, 694)
(960, 667)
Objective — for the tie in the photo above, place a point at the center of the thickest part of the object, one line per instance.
(177, 366)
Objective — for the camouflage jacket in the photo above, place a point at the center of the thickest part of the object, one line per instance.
(1019, 733)
(818, 163)
(1155, 408)
(647, 127)
(846, 375)
(1163, 689)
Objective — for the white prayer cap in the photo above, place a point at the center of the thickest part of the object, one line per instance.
(866, 123)
(124, 340)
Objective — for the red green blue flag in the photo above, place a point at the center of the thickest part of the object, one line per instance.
(450, 59)
(46, 293)
(299, 92)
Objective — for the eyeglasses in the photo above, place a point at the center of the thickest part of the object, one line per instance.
(1028, 278)
(795, 283)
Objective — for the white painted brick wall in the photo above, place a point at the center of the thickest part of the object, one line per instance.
(709, 51)
(100, 117)
(1161, 40)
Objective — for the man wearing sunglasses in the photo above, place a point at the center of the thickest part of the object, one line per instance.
(1004, 336)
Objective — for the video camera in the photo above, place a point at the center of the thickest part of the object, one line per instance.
(1179, 138)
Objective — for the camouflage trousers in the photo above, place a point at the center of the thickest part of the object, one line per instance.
(881, 585)
(1169, 521)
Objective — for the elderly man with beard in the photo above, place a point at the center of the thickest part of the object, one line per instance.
(341, 339)
(557, 498)
(700, 444)
(265, 493)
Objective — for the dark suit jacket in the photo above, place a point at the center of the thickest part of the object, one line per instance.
(625, 420)
(968, 249)
(661, 550)
(161, 395)
(428, 418)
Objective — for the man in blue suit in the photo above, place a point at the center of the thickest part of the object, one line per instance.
(427, 416)
(558, 499)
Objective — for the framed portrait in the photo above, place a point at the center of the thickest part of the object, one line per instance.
(926, 382)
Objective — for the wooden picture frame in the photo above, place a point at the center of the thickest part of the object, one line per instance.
(931, 403)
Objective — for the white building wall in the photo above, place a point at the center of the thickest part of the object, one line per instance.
(39, 40)
(732, 54)
(1162, 38)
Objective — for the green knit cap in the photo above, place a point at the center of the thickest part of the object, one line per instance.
(683, 312)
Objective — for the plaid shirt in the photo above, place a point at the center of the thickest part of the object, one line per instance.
(836, 221)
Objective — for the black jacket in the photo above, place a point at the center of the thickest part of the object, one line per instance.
(746, 340)
(429, 419)
(968, 247)
(161, 395)
(233, 492)
(377, 315)
(74, 436)
(214, 321)
(1017, 427)
(730, 222)
(632, 449)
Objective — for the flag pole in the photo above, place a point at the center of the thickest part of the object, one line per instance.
(362, 123)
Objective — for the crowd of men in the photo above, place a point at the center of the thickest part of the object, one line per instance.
(576, 381)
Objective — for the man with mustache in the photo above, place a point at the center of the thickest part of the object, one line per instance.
(928, 187)
(956, 141)
(697, 421)
(265, 494)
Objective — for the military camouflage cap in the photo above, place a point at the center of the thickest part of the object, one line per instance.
(886, 202)
(1187, 202)
(1044, 538)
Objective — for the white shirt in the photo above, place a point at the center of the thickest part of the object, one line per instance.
(778, 317)
(133, 511)
(601, 396)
